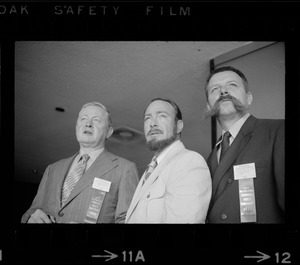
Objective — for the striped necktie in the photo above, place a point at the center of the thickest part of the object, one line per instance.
(224, 144)
(73, 177)
(150, 168)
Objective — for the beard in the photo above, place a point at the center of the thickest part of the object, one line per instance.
(215, 110)
(157, 145)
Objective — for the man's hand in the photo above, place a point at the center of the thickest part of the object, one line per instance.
(40, 217)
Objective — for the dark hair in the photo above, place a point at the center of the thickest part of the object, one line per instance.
(178, 115)
(224, 69)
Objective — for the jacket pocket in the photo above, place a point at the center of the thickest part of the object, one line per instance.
(261, 163)
(155, 204)
(157, 192)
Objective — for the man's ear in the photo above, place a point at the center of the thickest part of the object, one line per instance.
(179, 126)
(207, 106)
(110, 132)
(249, 98)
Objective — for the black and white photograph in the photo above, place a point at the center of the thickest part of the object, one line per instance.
(149, 132)
(53, 80)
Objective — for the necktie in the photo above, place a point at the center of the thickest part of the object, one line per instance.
(224, 144)
(150, 168)
(73, 177)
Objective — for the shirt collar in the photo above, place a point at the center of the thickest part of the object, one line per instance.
(235, 128)
(162, 155)
(93, 154)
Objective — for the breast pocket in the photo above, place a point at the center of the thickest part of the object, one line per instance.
(156, 193)
(155, 203)
(261, 166)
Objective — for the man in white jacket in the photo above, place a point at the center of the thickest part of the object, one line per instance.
(178, 189)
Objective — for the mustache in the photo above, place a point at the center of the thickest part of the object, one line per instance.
(154, 130)
(214, 111)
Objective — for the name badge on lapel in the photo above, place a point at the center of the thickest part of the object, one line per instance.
(245, 173)
(100, 188)
(101, 184)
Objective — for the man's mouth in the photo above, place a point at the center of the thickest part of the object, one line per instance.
(220, 101)
(154, 132)
(87, 132)
(225, 99)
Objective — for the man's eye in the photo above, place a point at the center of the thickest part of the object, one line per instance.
(233, 85)
(214, 90)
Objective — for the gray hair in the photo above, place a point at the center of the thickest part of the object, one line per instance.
(97, 104)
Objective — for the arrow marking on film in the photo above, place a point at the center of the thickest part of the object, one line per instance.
(110, 256)
(261, 258)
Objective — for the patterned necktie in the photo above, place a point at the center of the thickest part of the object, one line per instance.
(73, 177)
(150, 168)
(224, 144)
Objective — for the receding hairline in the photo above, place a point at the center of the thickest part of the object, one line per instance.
(101, 106)
(96, 104)
(223, 69)
(175, 107)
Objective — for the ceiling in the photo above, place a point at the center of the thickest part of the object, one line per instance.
(124, 76)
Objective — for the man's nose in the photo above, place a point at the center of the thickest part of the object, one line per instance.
(88, 123)
(224, 91)
(153, 122)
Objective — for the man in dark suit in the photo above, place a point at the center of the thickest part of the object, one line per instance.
(248, 178)
(92, 186)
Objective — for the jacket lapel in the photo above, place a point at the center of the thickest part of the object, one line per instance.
(220, 176)
(212, 161)
(142, 189)
(103, 163)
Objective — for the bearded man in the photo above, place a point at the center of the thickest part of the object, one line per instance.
(176, 186)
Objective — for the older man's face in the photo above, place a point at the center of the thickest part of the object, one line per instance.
(92, 127)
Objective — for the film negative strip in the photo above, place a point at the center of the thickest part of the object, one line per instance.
(167, 21)
(148, 244)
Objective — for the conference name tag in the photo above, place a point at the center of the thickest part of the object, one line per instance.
(101, 184)
(245, 174)
(244, 171)
(100, 188)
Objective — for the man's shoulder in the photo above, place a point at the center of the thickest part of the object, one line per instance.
(271, 124)
(180, 151)
(185, 160)
(188, 154)
(119, 159)
(62, 161)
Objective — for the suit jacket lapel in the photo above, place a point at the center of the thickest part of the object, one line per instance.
(142, 189)
(239, 143)
(212, 161)
(103, 163)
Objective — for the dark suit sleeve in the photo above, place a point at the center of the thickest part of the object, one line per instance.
(279, 164)
(38, 200)
(128, 184)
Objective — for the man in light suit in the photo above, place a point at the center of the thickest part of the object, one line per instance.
(104, 191)
(179, 188)
(248, 182)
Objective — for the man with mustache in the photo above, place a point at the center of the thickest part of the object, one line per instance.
(92, 186)
(247, 164)
(176, 187)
